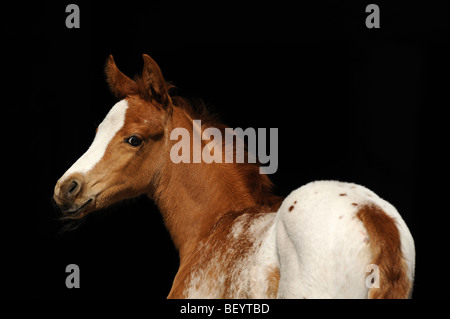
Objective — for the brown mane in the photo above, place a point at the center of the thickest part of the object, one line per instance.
(259, 185)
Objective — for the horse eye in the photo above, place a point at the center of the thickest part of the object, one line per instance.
(134, 141)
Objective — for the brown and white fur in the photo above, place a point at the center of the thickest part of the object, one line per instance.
(235, 239)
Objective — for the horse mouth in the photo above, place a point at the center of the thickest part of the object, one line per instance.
(79, 211)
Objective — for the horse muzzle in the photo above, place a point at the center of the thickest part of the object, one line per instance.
(70, 196)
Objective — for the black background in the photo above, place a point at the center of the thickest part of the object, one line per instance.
(352, 104)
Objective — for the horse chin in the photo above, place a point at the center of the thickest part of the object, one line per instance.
(81, 211)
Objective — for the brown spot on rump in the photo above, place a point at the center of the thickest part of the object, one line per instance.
(343, 194)
(292, 206)
(354, 204)
(273, 279)
(386, 252)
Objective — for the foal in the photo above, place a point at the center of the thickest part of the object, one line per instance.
(234, 237)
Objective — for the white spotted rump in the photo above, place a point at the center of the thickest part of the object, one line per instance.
(324, 248)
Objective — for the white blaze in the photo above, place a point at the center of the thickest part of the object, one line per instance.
(112, 123)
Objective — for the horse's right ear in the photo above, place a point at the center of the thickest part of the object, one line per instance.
(119, 84)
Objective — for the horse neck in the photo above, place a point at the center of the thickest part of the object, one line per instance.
(193, 196)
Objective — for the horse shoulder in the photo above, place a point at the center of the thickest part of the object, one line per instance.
(237, 260)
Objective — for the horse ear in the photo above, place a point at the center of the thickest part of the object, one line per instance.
(119, 84)
(154, 82)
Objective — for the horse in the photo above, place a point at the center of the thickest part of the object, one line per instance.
(235, 238)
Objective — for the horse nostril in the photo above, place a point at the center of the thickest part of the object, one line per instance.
(72, 187)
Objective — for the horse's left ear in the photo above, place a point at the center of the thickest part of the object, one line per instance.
(154, 82)
(119, 84)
